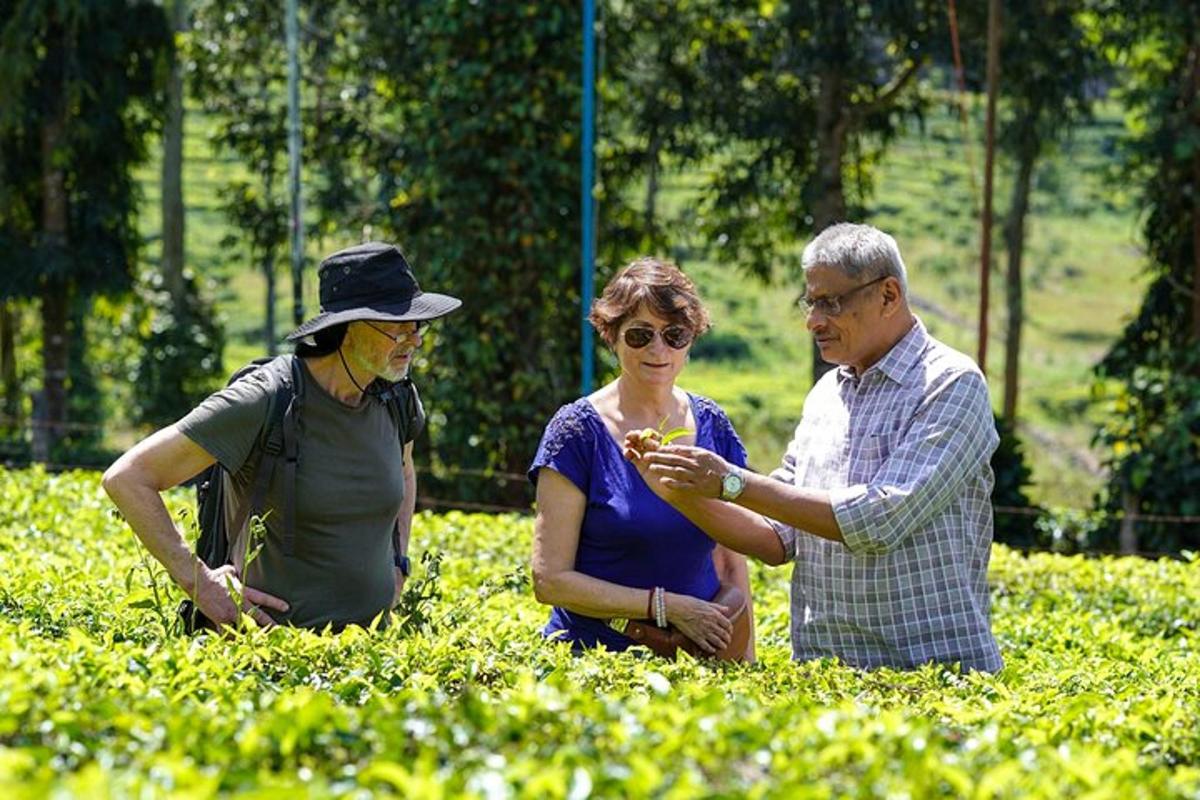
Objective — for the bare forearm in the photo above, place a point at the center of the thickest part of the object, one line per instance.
(733, 569)
(740, 529)
(800, 507)
(144, 510)
(594, 597)
(407, 508)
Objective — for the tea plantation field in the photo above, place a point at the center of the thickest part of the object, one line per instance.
(100, 697)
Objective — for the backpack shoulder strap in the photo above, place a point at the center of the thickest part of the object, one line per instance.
(404, 406)
(290, 442)
(272, 438)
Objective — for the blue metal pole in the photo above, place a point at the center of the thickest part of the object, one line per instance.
(588, 254)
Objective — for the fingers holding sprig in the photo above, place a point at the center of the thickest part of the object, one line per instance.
(640, 442)
(688, 469)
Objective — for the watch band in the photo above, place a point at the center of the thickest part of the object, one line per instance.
(402, 563)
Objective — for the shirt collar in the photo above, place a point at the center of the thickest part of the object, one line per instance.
(897, 361)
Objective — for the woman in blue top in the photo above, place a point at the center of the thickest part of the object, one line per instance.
(603, 541)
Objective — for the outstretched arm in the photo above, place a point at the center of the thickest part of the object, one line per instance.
(741, 529)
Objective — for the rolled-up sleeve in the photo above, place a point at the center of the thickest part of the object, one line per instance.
(952, 435)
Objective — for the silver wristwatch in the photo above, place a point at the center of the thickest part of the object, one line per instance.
(732, 484)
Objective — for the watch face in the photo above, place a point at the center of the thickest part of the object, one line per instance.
(731, 485)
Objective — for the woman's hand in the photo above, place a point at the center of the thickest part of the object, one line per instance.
(703, 622)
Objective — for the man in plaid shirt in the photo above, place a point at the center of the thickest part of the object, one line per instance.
(883, 500)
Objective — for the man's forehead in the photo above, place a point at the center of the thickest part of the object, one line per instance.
(822, 279)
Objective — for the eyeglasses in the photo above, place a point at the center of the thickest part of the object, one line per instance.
(676, 337)
(832, 306)
(406, 333)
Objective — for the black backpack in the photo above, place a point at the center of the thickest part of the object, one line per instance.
(278, 442)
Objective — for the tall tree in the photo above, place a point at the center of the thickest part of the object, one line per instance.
(807, 95)
(1052, 65)
(172, 164)
(478, 154)
(240, 79)
(1151, 376)
(238, 47)
(78, 81)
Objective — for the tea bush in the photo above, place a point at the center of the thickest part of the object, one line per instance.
(98, 696)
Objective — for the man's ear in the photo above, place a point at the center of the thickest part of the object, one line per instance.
(892, 295)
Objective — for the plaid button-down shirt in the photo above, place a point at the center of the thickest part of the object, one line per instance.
(904, 450)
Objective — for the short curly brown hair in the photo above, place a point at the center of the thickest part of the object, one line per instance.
(661, 285)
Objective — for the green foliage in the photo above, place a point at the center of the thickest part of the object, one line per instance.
(98, 697)
(1013, 475)
(1151, 376)
(804, 98)
(93, 69)
(179, 362)
(479, 163)
(1152, 436)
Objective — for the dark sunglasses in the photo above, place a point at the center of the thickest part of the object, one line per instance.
(677, 337)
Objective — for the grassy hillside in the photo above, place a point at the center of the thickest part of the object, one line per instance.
(98, 697)
(1083, 279)
(1082, 270)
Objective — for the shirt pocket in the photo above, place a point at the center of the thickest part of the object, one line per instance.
(875, 446)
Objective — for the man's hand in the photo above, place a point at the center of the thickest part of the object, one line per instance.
(638, 444)
(683, 468)
(213, 595)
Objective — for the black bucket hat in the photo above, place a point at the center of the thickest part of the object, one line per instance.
(372, 281)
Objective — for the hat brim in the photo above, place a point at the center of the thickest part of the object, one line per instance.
(425, 306)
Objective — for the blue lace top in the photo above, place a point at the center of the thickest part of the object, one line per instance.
(629, 536)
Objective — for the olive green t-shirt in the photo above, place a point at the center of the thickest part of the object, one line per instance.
(349, 487)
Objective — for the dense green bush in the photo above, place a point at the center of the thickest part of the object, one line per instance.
(1013, 476)
(1099, 696)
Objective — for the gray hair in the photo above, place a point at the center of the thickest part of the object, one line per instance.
(862, 252)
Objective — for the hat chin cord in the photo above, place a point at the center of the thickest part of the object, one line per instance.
(349, 374)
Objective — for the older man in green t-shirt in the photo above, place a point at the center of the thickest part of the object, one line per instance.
(355, 487)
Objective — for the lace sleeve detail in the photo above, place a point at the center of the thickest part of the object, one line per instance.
(567, 444)
(726, 441)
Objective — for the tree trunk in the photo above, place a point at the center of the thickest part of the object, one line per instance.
(268, 268)
(651, 210)
(1127, 538)
(829, 207)
(172, 172)
(8, 364)
(55, 289)
(1195, 91)
(1014, 239)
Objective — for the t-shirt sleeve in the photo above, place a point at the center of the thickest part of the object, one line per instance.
(228, 423)
(566, 447)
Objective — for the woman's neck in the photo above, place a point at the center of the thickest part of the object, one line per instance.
(646, 405)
